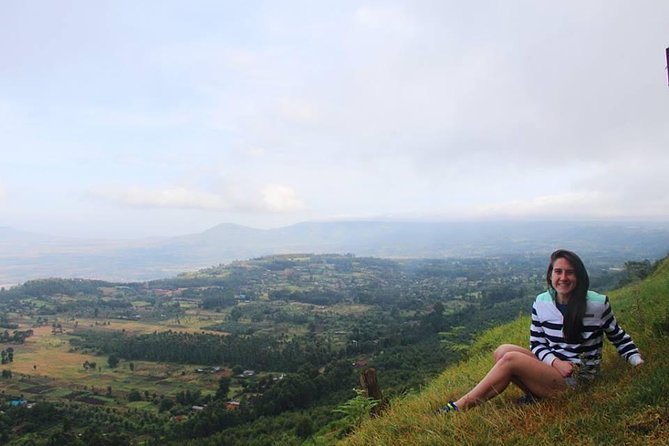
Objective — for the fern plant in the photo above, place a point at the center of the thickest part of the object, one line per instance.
(356, 409)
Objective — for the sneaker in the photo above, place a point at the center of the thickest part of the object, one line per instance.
(527, 399)
(450, 407)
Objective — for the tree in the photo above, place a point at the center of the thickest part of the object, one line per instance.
(113, 361)
(637, 271)
(223, 388)
(235, 314)
(165, 405)
(304, 428)
(62, 437)
(134, 395)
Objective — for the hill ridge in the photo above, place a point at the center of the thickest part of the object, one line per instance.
(31, 256)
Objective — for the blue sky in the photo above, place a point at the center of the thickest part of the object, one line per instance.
(126, 119)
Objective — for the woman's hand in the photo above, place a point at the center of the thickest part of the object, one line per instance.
(565, 368)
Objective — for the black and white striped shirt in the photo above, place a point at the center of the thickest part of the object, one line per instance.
(547, 339)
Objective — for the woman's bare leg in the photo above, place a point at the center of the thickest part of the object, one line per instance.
(532, 375)
(504, 349)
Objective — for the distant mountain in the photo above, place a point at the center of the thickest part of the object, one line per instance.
(26, 256)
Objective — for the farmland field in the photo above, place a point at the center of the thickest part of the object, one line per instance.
(46, 360)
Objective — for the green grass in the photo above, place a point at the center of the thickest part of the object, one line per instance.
(142, 405)
(626, 405)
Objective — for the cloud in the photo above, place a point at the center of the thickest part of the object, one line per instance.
(407, 107)
(177, 197)
(624, 187)
(3, 192)
(562, 206)
(272, 198)
(297, 110)
(139, 119)
(383, 17)
(279, 198)
(209, 60)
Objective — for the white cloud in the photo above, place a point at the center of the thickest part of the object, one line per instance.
(407, 107)
(383, 17)
(298, 111)
(280, 198)
(271, 198)
(139, 119)
(623, 187)
(177, 197)
(561, 206)
(3, 192)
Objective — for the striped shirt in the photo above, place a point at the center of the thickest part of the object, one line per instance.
(547, 339)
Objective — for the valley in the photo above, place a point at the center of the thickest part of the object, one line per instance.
(260, 351)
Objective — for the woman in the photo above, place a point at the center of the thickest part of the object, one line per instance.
(568, 323)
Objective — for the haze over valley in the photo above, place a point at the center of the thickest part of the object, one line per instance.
(25, 256)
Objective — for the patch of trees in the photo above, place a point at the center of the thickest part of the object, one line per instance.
(502, 292)
(276, 312)
(50, 287)
(274, 397)
(87, 365)
(6, 323)
(26, 420)
(214, 418)
(17, 336)
(315, 297)
(279, 264)
(7, 355)
(188, 397)
(252, 352)
(76, 424)
(637, 270)
(212, 297)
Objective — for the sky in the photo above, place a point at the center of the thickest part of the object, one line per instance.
(127, 119)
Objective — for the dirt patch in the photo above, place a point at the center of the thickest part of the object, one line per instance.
(37, 390)
(90, 400)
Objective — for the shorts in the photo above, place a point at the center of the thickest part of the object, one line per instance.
(571, 381)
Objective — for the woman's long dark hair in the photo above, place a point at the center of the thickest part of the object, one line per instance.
(573, 319)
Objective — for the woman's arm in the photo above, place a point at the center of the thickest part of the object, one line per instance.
(618, 337)
(538, 342)
(565, 368)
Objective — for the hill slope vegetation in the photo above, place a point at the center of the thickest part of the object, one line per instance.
(625, 405)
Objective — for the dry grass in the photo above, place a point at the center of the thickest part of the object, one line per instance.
(45, 359)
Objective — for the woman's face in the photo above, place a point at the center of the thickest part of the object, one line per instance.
(563, 277)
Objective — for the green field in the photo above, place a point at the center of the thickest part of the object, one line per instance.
(46, 360)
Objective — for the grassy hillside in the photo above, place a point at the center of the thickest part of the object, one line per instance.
(625, 405)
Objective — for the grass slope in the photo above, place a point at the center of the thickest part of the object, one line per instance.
(626, 405)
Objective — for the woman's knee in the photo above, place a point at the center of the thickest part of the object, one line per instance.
(512, 361)
(503, 350)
